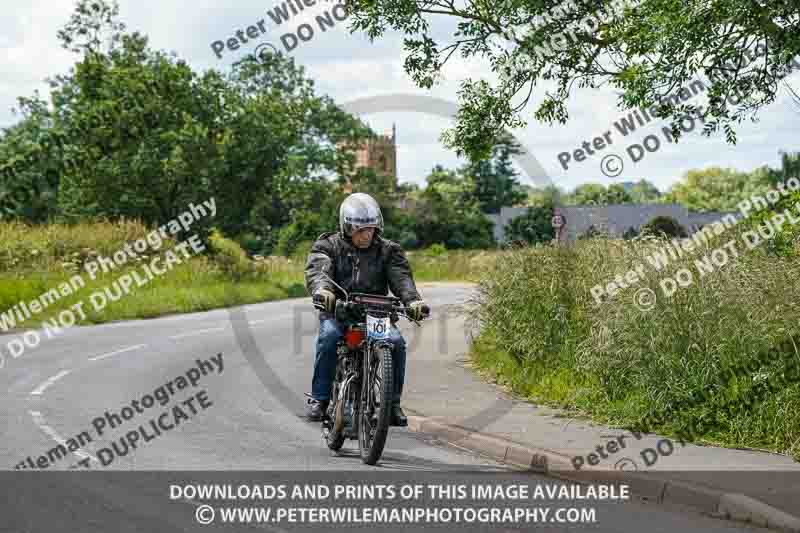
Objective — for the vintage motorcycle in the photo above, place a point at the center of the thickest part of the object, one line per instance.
(361, 395)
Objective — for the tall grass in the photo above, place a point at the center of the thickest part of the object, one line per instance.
(34, 259)
(437, 264)
(545, 336)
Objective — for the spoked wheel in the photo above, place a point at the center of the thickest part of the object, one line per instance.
(334, 439)
(376, 403)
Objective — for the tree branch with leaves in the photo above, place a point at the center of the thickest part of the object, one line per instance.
(647, 49)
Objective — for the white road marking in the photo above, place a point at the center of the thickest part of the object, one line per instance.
(196, 332)
(128, 349)
(49, 381)
(38, 419)
(257, 321)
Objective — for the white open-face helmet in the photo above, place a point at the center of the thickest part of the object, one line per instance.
(359, 211)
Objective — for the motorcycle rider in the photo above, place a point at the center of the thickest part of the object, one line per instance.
(360, 260)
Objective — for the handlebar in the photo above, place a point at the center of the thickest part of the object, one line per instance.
(364, 302)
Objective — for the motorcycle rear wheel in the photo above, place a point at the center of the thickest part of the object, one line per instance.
(376, 404)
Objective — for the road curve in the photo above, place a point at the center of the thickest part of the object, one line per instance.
(246, 417)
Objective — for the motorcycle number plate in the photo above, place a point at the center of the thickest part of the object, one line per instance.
(378, 328)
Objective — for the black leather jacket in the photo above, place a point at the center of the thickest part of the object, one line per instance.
(374, 270)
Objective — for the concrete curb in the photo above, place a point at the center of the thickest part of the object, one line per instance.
(732, 506)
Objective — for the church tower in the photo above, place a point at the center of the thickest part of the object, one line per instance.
(379, 154)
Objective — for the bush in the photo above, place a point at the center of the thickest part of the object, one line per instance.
(301, 251)
(534, 226)
(400, 227)
(592, 232)
(435, 250)
(630, 233)
(408, 240)
(229, 255)
(787, 238)
(251, 243)
(467, 228)
(306, 226)
(663, 226)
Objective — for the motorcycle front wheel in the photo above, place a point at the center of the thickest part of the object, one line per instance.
(376, 403)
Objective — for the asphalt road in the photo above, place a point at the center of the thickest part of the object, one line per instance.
(248, 417)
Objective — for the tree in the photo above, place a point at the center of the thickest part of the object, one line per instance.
(644, 192)
(648, 50)
(616, 194)
(716, 189)
(790, 168)
(446, 212)
(534, 226)
(315, 211)
(138, 134)
(787, 237)
(92, 28)
(548, 195)
(593, 232)
(380, 186)
(494, 180)
(447, 187)
(663, 226)
(29, 165)
(588, 194)
(630, 233)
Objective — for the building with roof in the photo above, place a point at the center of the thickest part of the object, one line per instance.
(614, 219)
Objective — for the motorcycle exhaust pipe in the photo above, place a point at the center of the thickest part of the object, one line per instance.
(338, 419)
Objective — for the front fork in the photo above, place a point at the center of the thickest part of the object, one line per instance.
(367, 398)
(355, 380)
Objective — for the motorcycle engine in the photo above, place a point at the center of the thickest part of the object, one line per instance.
(347, 359)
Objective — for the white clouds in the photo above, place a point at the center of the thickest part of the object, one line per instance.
(347, 66)
(30, 50)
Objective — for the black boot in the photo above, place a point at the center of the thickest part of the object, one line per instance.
(315, 409)
(398, 417)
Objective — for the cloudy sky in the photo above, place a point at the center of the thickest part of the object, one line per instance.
(349, 68)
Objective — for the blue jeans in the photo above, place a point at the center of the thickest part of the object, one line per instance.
(330, 331)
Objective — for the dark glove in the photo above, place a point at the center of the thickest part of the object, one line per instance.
(418, 310)
(324, 300)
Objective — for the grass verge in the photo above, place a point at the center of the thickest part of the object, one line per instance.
(37, 259)
(718, 360)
